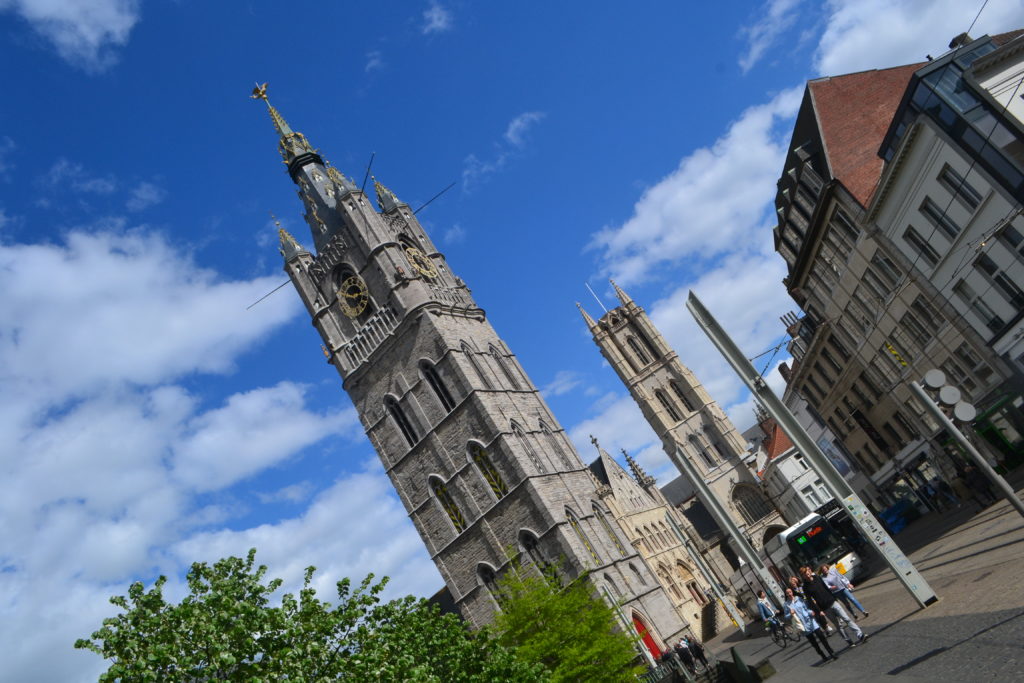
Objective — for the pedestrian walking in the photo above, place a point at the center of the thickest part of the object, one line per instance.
(980, 483)
(841, 588)
(683, 650)
(964, 492)
(767, 611)
(817, 594)
(698, 651)
(798, 590)
(804, 621)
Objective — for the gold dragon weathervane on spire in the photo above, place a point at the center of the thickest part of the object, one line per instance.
(260, 93)
(292, 144)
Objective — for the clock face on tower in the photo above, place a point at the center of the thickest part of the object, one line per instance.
(353, 297)
(420, 262)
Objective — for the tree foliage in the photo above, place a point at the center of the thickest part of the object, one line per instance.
(569, 629)
(227, 629)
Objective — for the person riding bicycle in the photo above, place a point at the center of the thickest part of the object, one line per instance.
(766, 609)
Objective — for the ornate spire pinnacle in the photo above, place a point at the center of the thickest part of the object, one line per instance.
(290, 248)
(586, 316)
(623, 297)
(344, 183)
(292, 145)
(386, 199)
(641, 477)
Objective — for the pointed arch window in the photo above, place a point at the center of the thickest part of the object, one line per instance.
(490, 473)
(531, 546)
(400, 418)
(580, 534)
(429, 372)
(637, 351)
(557, 445)
(701, 450)
(500, 360)
(681, 395)
(614, 587)
(667, 405)
(470, 355)
(751, 503)
(638, 575)
(532, 454)
(599, 513)
(444, 497)
(489, 580)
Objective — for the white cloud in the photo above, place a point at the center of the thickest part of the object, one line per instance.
(778, 15)
(106, 459)
(254, 431)
(374, 61)
(564, 382)
(875, 34)
(67, 174)
(476, 170)
(85, 34)
(715, 200)
(145, 195)
(455, 235)
(518, 127)
(293, 493)
(436, 19)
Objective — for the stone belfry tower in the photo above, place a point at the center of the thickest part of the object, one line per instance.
(477, 458)
(682, 413)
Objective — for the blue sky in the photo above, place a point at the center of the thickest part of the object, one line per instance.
(150, 420)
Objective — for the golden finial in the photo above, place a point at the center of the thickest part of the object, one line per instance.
(259, 92)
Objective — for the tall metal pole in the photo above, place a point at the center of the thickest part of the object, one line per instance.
(979, 460)
(725, 522)
(706, 571)
(837, 486)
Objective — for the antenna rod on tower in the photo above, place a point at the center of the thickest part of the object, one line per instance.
(599, 303)
(363, 188)
(433, 198)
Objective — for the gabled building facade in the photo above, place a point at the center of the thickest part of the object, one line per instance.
(640, 510)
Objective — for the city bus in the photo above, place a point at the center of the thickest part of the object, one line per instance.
(811, 542)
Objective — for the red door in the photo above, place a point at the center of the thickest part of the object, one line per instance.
(645, 635)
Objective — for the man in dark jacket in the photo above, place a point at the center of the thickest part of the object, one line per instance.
(820, 598)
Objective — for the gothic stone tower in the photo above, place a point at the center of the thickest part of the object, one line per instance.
(682, 413)
(477, 458)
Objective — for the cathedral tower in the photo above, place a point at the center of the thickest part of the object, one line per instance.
(473, 451)
(682, 413)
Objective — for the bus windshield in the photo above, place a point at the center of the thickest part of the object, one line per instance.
(815, 543)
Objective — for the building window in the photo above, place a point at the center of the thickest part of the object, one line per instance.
(921, 246)
(557, 445)
(615, 589)
(608, 530)
(667, 405)
(398, 415)
(489, 580)
(437, 384)
(938, 218)
(487, 470)
(575, 524)
(701, 450)
(513, 382)
(1011, 292)
(678, 391)
(470, 355)
(1012, 238)
(970, 360)
(751, 503)
(448, 503)
(525, 443)
(811, 497)
(981, 309)
(637, 351)
(638, 575)
(959, 187)
(531, 546)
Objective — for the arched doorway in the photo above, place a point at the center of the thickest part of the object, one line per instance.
(646, 637)
(771, 532)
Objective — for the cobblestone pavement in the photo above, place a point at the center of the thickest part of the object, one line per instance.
(974, 633)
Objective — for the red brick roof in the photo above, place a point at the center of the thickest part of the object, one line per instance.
(854, 112)
(777, 442)
(1004, 38)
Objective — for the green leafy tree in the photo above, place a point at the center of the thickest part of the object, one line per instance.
(227, 629)
(569, 629)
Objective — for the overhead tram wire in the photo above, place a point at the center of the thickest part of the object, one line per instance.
(367, 174)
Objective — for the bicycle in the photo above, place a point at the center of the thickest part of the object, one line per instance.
(781, 633)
